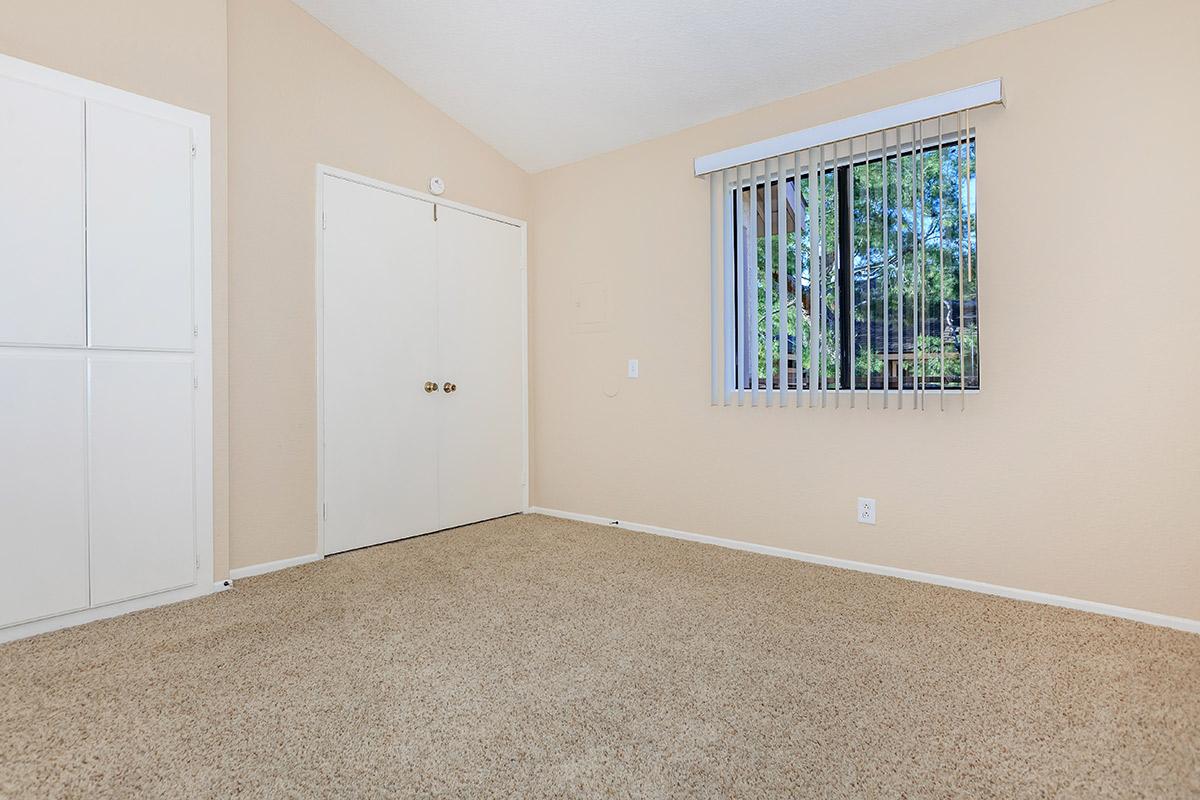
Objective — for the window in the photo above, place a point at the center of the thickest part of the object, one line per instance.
(900, 303)
(844, 258)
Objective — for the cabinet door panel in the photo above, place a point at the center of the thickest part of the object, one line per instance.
(41, 216)
(139, 189)
(43, 494)
(141, 468)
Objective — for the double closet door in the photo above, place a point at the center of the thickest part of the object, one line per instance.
(102, 478)
(422, 366)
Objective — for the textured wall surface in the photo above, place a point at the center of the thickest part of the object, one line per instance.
(1073, 472)
(1070, 473)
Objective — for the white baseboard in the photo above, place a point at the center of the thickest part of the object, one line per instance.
(85, 615)
(1149, 617)
(272, 566)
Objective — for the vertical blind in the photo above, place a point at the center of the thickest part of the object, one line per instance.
(845, 272)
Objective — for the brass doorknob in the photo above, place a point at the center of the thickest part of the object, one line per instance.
(430, 387)
(448, 387)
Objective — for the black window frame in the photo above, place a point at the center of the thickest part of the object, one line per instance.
(846, 288)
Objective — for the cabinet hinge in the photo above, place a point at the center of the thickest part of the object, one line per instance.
(195, 330)
(195, 383)
(322, 220)
(435, 212)
(324, 512)
(193, 151)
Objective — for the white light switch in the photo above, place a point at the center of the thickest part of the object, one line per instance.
(633, 368)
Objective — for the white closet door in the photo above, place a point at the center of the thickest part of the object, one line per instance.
(139, 188)
(379, 326)
(43, 494)
(41, 216)
(480, 339)
(143, 537)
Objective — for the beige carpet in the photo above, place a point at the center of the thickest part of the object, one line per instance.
(531, 657)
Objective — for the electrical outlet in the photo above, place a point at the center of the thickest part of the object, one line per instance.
(633, 368)
(866, 510)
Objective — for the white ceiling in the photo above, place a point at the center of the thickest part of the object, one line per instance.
(548, 82)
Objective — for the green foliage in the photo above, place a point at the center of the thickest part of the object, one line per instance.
(931, 206)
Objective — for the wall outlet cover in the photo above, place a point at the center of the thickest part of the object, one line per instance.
(866, 510)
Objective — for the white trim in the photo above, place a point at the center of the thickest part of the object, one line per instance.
(524, 366)
(98, 92)
(334, 172)
(74, 618)
(201, 354)
(323, 170)
(981, 94)
(1148, 617)
(319, 266)
(272, 566)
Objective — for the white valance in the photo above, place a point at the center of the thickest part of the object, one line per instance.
(926, 108)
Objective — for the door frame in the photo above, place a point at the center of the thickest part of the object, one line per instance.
(323, 171)
(204, 536)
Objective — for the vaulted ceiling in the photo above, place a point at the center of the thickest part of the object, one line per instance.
(547, 83)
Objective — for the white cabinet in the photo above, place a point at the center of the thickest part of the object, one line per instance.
(105, 351)
(422, 365)
(41, 215)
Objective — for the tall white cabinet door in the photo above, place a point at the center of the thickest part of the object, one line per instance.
(41, 216)
(379, 322)
(43, 494)
(480, 332)
(139, 193)
(143, 537)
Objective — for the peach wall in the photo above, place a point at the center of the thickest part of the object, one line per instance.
(1073, 472)
(1070, 473)
(170, 51)
(299, 96)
